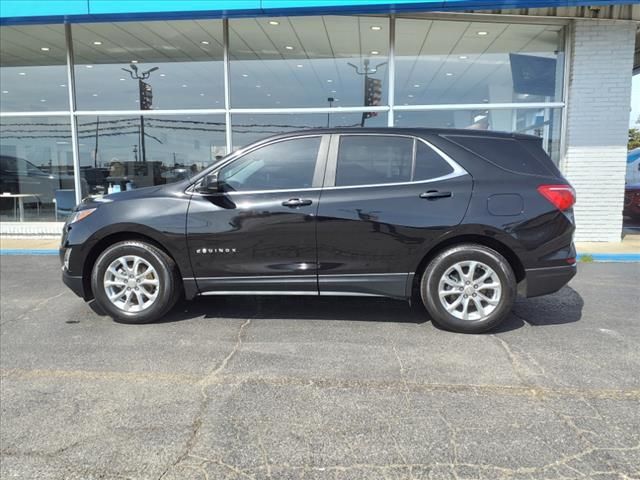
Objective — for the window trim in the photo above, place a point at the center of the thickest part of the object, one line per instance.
(318, 172)
(332, 162)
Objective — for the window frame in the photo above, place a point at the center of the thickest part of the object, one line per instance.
(318, 172)
(332, 162)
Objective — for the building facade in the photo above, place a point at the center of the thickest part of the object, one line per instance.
(98, 96)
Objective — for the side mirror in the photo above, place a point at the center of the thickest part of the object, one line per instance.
(210, 184)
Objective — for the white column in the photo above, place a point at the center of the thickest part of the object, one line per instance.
(597, 122)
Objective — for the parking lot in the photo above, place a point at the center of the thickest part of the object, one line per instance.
(319, 388)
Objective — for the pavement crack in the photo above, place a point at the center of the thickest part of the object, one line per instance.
(34, 308)
(403, 377)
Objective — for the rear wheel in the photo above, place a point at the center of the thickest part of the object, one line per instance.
(468, 288)
(135, 282)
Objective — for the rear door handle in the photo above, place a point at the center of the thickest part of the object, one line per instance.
(296, 202)
(433, 194)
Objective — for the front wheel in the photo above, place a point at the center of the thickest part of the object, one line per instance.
(135, 282)
(468, 288)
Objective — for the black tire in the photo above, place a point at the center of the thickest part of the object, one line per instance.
(169, 289)
(429, 286)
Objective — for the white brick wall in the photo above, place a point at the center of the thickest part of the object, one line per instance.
(597, 122)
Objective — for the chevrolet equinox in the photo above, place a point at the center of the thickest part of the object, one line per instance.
(463, 220)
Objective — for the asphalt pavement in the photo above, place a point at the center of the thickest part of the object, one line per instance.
(318, 388)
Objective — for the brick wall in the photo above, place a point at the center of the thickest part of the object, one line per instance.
(597, 124)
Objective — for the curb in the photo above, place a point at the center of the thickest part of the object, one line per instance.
(597, 257)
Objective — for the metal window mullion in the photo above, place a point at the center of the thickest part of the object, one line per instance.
(480, 106)
(569, 32)
(392, 71)
(77, 183)
(227, 86)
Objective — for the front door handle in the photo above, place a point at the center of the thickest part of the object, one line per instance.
(433, 194)
(296, 202)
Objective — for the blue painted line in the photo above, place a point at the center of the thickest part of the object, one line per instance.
(25, 251)
(612, 257)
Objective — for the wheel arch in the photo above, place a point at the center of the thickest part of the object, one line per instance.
(111, 239)
(500, 247)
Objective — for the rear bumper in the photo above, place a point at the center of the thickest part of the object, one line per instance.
(542, 281)
(74, 283)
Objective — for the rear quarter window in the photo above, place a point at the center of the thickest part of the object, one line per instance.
(509, 153)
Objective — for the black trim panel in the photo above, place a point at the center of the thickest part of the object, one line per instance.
(392, 285)
(275, 283)
(542, 281)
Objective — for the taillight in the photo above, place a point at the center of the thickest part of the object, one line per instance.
(561, 196)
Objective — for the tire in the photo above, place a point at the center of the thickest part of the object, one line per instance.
(441, 275)
(143, 298)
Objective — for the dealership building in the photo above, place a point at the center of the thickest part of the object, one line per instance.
(98, 95)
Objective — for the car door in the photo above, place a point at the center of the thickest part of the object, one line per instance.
(258, 233)
(386, 199)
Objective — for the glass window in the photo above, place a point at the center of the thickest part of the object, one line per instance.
(179, 63)
(440, 62)
(541, 122)
(308, 61)
(33, 73)
(36, 169)
(114, 155)
(370, 160)
(251, 128)
(429, 164)
(289, 164)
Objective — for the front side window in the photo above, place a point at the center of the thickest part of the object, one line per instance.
(285, 165)
(372, 160)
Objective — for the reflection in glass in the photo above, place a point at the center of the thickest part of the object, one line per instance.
(36, 169)
(251, 128)
(186, 55)
(112, 157)
(440, 62)
(542, 122)
(308, 61)
(33, 74)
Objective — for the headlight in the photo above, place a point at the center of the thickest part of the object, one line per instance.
(80, 215)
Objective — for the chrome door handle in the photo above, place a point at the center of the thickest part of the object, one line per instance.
(296, 202)
(433, 194)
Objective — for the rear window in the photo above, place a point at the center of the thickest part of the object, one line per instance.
(429, 164)
(509, 153)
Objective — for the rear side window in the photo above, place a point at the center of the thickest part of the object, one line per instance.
(507, 153)
(429, 164)
(370, 160)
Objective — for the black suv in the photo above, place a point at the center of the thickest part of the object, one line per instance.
(464, 220)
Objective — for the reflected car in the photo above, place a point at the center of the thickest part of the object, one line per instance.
(18, 175)
(632, 201)
(462, 221)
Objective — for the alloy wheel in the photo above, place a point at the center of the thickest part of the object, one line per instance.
(131, 283)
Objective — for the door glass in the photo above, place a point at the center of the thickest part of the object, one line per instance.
(429, 164)
(289, 164)
(369, 160)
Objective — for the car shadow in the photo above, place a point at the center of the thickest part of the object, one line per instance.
(559, 308)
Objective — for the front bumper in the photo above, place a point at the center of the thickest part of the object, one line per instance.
(76, 284)
(542, 281)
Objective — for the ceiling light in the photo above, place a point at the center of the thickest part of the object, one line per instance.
(258, 86)
(122, 79)
(463, 57)
(22, 74)
(94, 95)
(410, 96)
(245, 75)
(375, 52)
(89, 66)
(334, 91)
(184, 85)
(45, 49)
(449, 74)
(288, 47)
(329, 81)
(376, 28)
(485, 100)
(163, 74)
(417, 85)
(63, 85)
(202, 94)
(268, 94)
(42, 100)
(204, 42)
(97, 42)
(5, 91)
(274, 22)
(482, 33)
(134, 61)
(299, 65)
(336, 99)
